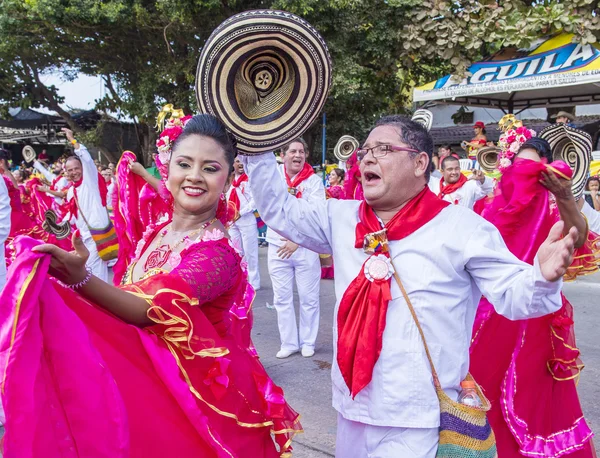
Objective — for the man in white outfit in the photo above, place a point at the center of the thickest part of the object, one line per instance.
(454, 187)
(58, 183)
(287, 260)
(445, 255)
(244, 231)
(86, 203)
(4, 226)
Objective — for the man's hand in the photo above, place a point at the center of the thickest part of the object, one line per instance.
(68, 133)
(287, 250)
(478, 175)
(560, 187)
(556, 253)
(43, 188)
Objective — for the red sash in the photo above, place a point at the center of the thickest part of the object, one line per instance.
(233, 197)
(306, 172)
(363, 309)
(446, 189)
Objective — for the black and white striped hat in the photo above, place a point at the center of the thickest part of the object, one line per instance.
(266, 75)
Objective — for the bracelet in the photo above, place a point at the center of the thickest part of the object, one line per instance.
(83, 282)
(73, 142)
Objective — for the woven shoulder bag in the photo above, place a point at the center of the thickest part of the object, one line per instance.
(464, 430)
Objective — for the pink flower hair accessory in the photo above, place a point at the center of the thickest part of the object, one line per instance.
(170, 132)
(514, 134)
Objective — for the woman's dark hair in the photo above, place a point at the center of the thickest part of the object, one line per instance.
(4, 155)
(209, 126)
(483, 130)
(540, 145)
(340, 173)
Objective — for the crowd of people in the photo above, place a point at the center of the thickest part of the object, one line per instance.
(176, 325)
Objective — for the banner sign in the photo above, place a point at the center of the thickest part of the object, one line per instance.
(556, 62)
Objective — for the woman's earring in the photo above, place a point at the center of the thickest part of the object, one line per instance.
(222, 196)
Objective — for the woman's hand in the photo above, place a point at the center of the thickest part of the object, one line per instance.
(67, 267)
(137, 168)
(560, 187)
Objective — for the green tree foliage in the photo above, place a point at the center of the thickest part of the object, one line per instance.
(146, 51)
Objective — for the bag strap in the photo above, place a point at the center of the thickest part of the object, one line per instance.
(79, 208)
(436, 380)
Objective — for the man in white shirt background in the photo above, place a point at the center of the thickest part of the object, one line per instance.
(446, 258)
(455, 188)
(87, 205)
(243, 230)
(287, 261)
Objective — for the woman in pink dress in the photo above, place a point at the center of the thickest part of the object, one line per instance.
(336, 185)
(529, 369)
(162, 366)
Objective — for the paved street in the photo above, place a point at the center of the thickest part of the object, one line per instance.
(306, 381)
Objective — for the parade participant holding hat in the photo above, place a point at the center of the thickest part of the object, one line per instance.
(289, 262)
(87, 203)
(162, 366)
(529, 369)
(403, 256)
(477, 142)
(564, 117)
(454, 187)
(243, 229)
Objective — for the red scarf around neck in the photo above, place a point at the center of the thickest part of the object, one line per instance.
(233, 196)
(306, 172)
(363, 309)
(102, 188)
(446, 189)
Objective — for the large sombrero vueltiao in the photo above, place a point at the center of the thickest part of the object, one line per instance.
(487, 156)
(266, 75)
(573, 146)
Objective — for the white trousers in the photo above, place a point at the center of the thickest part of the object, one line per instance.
(305, 267)
(246, 237)
(98, 267)
(359, 440)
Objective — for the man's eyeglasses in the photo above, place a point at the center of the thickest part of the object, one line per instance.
(382, 150)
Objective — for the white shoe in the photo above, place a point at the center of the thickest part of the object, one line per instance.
(307, 352)
(285, 353)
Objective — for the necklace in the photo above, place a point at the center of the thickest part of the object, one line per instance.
(160, 255)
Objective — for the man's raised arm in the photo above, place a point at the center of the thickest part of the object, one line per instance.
(302, 222)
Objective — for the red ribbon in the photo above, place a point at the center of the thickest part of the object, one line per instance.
(363, 309)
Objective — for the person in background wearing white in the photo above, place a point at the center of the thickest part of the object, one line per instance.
(287, 260)
(58, 182)
(243, 230)
(446, 257)
(87, 205)
(4, 226)
(455, 188)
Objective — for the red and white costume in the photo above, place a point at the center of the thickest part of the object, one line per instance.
(464, 192)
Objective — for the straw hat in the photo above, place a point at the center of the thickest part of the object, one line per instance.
(487, 156)
(266, 75)
(573, 146)
(563, 114)
(28, 153)
(423, 117)
(50, 224)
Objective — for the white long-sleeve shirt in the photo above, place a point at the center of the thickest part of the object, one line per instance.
(312, 191)
(593, 217)
(445, 266)
(88, 196)
(467, 194)
(4, 227)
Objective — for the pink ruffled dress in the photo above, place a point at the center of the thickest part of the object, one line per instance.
(79, 382)
(529, 369)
